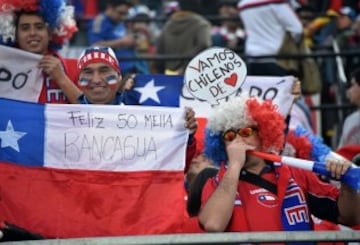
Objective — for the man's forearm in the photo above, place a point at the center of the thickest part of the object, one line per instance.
(217, 211)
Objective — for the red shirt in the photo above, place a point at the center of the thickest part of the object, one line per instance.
(257, 209)
(51, 92)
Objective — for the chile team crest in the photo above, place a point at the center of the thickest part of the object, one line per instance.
(267, 200)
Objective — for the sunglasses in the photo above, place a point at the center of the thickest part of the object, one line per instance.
(230, 135)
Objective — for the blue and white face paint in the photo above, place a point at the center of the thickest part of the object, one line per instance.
(102, 74)
(112, 79)
(84, 82)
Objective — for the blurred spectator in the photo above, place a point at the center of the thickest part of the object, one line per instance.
(85, 9)
(84, 12)
(229, 33)
(306, 15)
(266, 24)
(140, 27)
(351, 128)
(355, 40)
(344, 23)
(321, 6)
(139, 8)
(170, 8)
(109, 29)
(344, 35)
(321, 27)
(144, 29)
(154, 5)
(186, 33)
(321, 31)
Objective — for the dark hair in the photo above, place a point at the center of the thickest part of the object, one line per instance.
(115, 3)
(20, 13)
(356, 75)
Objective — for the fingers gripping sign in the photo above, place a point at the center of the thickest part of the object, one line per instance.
(191, 122)
(215, 74)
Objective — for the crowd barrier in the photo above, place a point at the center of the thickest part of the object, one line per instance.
(348, 237)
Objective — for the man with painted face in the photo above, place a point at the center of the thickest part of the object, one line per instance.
(100, 82)
(99, 79)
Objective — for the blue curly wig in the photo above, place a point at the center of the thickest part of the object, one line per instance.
(242, 112)
(215, 147)
(50, 11)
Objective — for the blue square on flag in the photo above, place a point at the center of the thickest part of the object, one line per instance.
(155, 90)
(22, 132)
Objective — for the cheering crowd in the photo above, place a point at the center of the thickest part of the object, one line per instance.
(226, 184)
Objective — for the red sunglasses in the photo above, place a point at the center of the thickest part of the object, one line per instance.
(230, 135)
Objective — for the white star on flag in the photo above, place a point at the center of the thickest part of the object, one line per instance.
(10, 137)
(149, 91)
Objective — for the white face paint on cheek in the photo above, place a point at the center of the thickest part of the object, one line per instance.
(84, 82)
(111, 80)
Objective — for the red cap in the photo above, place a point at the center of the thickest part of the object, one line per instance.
(95, 54)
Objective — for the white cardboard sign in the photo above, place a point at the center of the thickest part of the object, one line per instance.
(215, 74)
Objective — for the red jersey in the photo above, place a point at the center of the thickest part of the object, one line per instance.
(257, 209)
(51, 92)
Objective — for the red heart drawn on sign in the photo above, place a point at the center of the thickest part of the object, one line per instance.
(231, 80)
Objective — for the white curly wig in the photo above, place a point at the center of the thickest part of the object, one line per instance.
(241, 112)
(231, 115)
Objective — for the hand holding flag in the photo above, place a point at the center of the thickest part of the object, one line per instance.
(100, 167)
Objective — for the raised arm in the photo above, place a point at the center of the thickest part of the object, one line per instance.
(216, 213)
(52, 66)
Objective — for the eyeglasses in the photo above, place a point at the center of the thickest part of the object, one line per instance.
(230, 135)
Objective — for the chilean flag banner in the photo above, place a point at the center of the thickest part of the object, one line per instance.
(156, 90)
(92, 170)
(165, 90)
